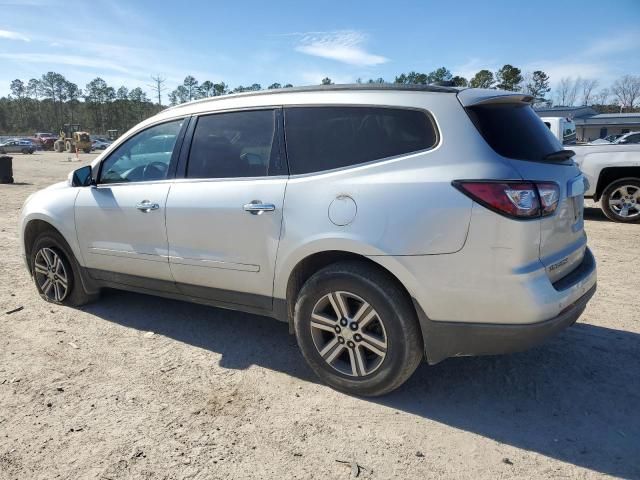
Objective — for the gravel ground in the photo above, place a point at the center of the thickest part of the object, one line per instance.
(92, 393)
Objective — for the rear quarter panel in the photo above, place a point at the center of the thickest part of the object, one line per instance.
(406, 205)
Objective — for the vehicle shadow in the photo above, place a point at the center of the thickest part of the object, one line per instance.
(575, 398)
(595, 214)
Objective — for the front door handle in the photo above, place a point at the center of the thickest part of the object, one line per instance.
(256, 207)
(146, 206)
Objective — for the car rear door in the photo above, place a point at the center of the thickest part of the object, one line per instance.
(121, 221)
(224, 217)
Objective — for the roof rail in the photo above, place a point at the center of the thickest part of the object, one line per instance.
(332, 87)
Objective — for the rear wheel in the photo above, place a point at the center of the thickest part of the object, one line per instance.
(68, 147)
(58, 146)
(621, 200)
(357, 329)
(56, 272)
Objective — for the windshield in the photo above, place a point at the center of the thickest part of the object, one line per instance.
(514, 131)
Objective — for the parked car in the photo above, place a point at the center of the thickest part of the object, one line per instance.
(384, 224)
(627, 139)
(17, 146)
(613, 173)
(100, 144)
(45, 139)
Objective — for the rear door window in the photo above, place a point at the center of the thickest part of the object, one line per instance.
(324, 138)
(514, 131)
(236, 144)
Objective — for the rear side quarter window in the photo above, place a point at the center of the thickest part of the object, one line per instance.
(324, 138)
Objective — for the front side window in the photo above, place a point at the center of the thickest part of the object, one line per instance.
(235, 144)
(144, 157)
(324, 138)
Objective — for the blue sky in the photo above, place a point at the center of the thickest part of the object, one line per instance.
(298, 42)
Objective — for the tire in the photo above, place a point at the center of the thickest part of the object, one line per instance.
(68, 148)
(393, 324)
(87, 150)
(620, 207)
(48, 247)
(58, 146)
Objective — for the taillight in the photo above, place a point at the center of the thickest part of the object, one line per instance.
(549, 195)
(513, 199)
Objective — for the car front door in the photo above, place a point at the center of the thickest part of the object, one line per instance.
(12, 147)
(120, 221)
(224, 216)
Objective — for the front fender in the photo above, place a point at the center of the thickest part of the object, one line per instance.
(54, 206)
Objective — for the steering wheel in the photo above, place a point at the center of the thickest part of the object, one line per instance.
(160, 171)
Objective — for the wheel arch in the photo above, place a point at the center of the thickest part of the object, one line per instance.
(612, 174)
(313, 262)
(32, 230)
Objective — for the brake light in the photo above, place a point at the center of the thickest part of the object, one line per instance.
(513, 199)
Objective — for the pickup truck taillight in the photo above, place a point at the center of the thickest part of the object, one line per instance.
(522, 200)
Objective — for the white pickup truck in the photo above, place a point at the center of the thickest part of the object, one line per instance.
(613, 172)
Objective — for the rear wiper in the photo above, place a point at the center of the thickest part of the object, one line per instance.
(559, 155)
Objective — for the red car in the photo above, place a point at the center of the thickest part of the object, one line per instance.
(45, 140)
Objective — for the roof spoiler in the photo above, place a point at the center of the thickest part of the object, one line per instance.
(481, 96)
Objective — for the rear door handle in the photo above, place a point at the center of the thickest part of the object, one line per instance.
(146, 206)
(256, 207)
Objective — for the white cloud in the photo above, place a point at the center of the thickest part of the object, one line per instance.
(74, 60)
(558, 70)
(342, 46)
(617, 43)
(14, 36)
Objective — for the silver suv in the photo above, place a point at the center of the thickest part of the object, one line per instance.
(385, 224)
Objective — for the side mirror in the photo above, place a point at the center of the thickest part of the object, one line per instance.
(82, 177)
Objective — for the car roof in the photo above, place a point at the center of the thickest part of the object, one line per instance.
(354, 87)
(467, 96)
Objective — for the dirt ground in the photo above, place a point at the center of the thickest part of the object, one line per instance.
(91, 393)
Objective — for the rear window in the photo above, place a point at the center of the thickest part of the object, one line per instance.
(324, 138)
(514, 131)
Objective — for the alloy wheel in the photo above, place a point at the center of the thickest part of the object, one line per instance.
(624, 201)
(51, 274)
(348, 334)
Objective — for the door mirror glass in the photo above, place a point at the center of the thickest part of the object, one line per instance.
(81, 177)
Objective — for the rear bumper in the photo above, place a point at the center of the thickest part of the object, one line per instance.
(455, 339)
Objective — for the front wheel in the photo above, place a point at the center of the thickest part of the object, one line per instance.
(56, 272)
(621, 200)
(357, 329)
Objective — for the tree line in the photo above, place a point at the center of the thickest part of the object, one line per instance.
(46, 103)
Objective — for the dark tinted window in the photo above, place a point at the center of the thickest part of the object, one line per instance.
(235, 144)
(323, 138)
(633, 138)
(514, 131)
